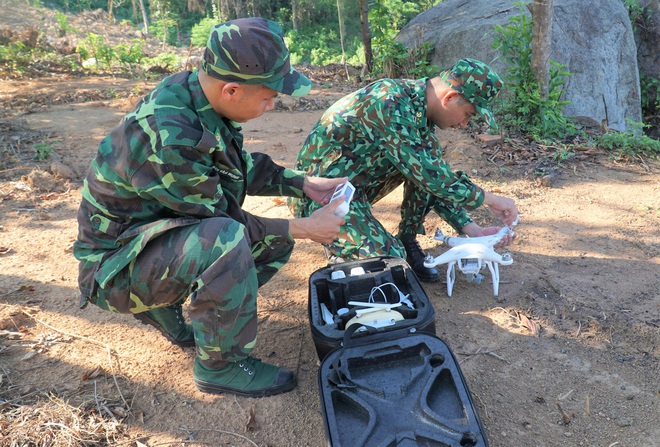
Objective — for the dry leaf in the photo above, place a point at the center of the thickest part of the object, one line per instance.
(51, 195)
(11, 335)
(29, 355)
(531, 325)
(252, 421)
(120, 411)
(279, 201)
(92, 373)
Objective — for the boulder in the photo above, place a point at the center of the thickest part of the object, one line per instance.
(593, 38)
(647, 35)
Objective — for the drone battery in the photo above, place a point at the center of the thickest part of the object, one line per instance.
(382, 281)
(397, 391)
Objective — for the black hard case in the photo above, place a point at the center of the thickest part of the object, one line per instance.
(393, 389)
(336, 293)
(393, 386)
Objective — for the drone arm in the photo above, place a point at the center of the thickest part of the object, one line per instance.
(453, 254)
(465, 251)
(488, 241)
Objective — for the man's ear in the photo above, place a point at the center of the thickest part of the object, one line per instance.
(230, 89)
(449, 97)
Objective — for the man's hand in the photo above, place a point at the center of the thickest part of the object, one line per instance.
(503, 207)
(474, 230)
(320, 189)
(322, 226)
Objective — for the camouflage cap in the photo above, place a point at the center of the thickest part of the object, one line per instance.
(252, 51)
(477, 82)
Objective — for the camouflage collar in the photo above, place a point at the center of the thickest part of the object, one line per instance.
(208, 117)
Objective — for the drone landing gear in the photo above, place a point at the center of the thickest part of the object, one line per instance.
(466, 266)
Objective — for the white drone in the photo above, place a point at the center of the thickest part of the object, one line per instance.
(471, 254)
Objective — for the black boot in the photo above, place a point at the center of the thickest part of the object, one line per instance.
(169, 321)
(415, 258)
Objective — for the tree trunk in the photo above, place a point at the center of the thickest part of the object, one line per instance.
(341, 32)
(240, 9)
(366, 36)
(144, 19)
(134, 8)
(541, 40)
(294, 14)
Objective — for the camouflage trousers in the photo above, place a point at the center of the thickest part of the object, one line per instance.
(213, 263)
(364, 236)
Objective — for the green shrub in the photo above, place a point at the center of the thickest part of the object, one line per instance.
(394, 60)
(63, 26)
(15, 55)
(630, 143)
(199, 34)
(163, 63)
(522, 106)
(130, 53)
(42, 151)
(650, 96)
(319, 46)
(94, 46)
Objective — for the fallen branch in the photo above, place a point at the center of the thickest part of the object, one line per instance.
(480, 352)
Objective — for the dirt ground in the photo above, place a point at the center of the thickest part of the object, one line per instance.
(566, 355)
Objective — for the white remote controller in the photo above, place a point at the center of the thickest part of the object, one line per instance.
(346, 190)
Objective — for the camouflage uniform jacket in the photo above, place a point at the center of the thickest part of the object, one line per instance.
(382, 131)
(169, 163)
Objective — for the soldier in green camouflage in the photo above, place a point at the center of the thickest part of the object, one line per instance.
(382, 136)
(161, 217)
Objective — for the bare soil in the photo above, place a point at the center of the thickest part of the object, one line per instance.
(566, 355)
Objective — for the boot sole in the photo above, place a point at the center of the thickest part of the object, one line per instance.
(429, 279)
(214, 388)
(426, 278)
(146, 319)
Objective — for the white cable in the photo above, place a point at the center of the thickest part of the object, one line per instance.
(371, 295)
(402, 298)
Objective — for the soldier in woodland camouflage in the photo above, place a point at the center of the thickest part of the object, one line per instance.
(382, 136)
(161, 217)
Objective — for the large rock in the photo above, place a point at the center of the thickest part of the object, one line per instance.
(647, 34)
(593, 38)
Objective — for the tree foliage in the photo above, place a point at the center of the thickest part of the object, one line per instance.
(313, 29)
(524, 107)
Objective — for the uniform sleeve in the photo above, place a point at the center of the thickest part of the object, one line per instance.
(267, 178)
(187, 183)
(452, 214)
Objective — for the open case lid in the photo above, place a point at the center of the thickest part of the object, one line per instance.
(397, 390)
